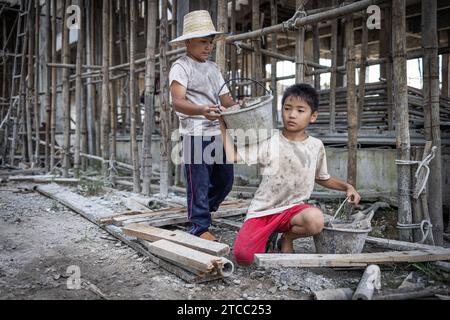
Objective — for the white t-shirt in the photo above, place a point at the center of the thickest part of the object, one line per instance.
(202, 81)
(289, 169)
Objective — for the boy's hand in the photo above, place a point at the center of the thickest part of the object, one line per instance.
(210, 112)
(353, 195)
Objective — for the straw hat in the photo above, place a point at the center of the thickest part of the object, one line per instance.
(196, 24)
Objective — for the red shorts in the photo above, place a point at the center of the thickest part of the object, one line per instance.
(255, 232)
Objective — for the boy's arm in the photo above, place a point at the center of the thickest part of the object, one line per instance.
(230, 149)
(181, 104)
(336, 184)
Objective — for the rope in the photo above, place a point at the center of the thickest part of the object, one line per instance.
(425, 228)
(112, 171)
(340, 207)
(424, 164)
(290, 24)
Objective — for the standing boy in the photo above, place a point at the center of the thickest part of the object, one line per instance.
(291, 162)
(194, 85)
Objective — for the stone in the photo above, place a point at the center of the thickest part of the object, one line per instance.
(237, 281)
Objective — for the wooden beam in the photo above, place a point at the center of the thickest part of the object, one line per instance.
(348, 260)
(153, 234)
(191, 259)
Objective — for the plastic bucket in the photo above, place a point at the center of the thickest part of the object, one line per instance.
(340, 241)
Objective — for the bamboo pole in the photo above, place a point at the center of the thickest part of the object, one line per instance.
(37, 115)
(316, 48)
(388, 65)
(257, 66)
(431, 112)
(222, 19)
(401, 103)
(127, 42)
(352, 106)
(48, 58)
(308, 20)
(104, 134)
(90, 89)
(300, 49)
(273, 67)
(122, 57)
(54, 80)
(66, 93)
(362, 71)
(164, 104)
(333, 78)
(134, 146)
(149, 96)
(78, 98)
(30, 86)
(234, 57)
(97, 44)
(84, 108)
(113, 96)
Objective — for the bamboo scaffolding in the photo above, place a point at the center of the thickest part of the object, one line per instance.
(78, 98)
(257, 66)
(164, 104)
(105, 114)
(352, 106)
(30, 86)
(401, 103)
(53, 90)
(149, 96)
(273, 67)
(362, 72)
(134, 146)
(65, 94)
(36, 112)
(112, 97)
(431, 111)
(48, 97)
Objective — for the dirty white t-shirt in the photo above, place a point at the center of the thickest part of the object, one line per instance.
(289, 169)
(203, 81)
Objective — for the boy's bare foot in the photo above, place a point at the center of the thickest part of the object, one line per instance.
(287, 244)
(208, 236)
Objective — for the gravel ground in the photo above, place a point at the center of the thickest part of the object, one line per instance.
(40, 239)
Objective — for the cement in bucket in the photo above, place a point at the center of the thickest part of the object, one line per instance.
(340, 241)
(254, 121)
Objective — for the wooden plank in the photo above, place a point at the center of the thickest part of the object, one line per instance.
(185, 256)
(345, 260)
(154, 234)
(141, 247)
(159, 213)
(87, 208)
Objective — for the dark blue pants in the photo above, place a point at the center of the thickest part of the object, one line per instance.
(209, 179)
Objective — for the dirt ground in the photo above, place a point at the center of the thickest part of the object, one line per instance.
(40, 239)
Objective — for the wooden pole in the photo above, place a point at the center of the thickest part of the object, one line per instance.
(431, 112)
(402, 117)
(222, 19)
(333, 78)
(66, 93)
(54, 80)
(316, 48)
(113, 96)
(90, 90)
(362, 71)
(386, 69)
(164, 103)
(149, 96)
(299, 50)
(273, 67)
(37, 115)
(256, 42)
(122, 57)
(352, 106)
(48, 59)
(30, 86)
(234, 57)
(104, 134)
(78, 98)
(134, 146)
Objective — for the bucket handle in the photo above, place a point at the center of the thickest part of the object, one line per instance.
(235, 79)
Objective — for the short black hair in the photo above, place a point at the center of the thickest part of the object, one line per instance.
(305, 92)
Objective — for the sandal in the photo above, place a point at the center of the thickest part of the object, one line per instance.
(273, 244)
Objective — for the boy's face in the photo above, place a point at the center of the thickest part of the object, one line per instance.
(200, 48)
(297, 114)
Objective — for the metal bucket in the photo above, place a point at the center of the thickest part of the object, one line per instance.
(255, 120)
(340, 241)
